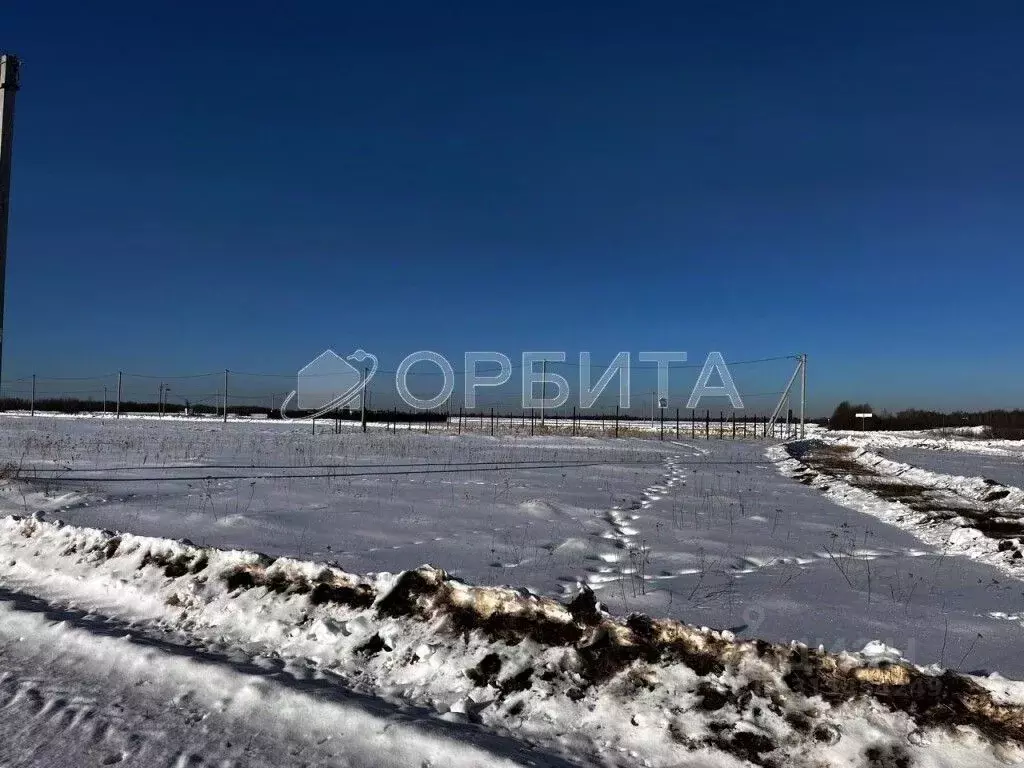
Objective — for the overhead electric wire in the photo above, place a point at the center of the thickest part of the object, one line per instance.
(306, 475)
(414, 469)
(412, 465)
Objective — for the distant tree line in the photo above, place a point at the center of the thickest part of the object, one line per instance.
(1001, 423)
(75, 405)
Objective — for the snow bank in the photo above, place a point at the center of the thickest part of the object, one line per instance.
(970, 516)
(956, 439)
(564, 675)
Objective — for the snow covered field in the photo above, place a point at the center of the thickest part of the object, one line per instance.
(713, 533)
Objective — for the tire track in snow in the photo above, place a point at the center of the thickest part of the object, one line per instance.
(78, 691)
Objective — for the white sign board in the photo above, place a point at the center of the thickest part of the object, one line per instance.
(663, 402)
(864, 415)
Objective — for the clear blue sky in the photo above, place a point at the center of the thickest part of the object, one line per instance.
(209, 185)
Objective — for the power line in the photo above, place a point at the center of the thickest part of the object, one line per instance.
(501, 467)
(296, 476)
(392, 465)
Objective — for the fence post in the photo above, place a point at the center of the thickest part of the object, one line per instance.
(460, 419)
(492, 421)
(616, 421)
(734, 425)
(32, 411)
(707, 424)
(677, 423)
(225, 395)
(693, 423)
(119, 394)
(574, 421)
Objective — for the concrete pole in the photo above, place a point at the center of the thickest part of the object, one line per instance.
(803, 394)
(543, 388)
(362, 400)
(8, 90)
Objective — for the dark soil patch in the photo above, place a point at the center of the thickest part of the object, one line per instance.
(946, 700)
(351, 595)
(176, 566)
(895, 491)
(830, 459)
(329, 587)
(746, 745)
(373, 646)
(521, 681)
(424, 594)
(712, 699)
(887, 756)
(584, 608)
(486, 672)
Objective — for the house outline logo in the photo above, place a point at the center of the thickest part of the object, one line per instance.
(329, 381)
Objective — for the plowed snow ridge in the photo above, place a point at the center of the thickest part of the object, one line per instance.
(565, 678)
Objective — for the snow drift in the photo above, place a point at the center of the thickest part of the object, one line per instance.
(563, 675)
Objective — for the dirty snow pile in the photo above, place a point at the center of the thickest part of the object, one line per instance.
(565, 679)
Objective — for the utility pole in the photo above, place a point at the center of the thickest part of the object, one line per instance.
(803, 393)
(362, 400)
(543, 388)
(8, 89)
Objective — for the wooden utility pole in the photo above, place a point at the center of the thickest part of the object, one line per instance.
(8, 90)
